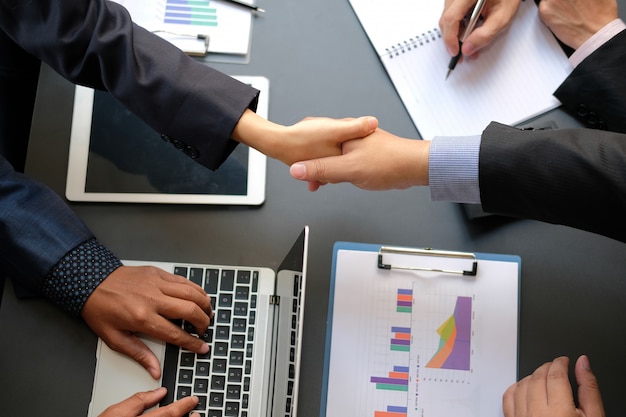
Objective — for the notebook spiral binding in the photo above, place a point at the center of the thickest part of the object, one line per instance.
(413, 43)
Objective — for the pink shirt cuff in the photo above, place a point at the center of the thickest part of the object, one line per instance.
(597, 40)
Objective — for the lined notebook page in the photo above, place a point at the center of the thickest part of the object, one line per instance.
(511, 81)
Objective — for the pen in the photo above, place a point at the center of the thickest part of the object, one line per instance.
(468, 29)
(246, 5)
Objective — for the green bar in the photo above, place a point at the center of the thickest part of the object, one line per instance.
(197, 23)
(400, 348)
(403, 309)
(209, 13)
(392, 387)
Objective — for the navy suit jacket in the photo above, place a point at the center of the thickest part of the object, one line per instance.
(95, 43)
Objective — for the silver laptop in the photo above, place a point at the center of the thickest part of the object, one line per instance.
(253, 365)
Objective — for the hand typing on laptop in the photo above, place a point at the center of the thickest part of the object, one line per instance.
(136, 404)
(146, 299)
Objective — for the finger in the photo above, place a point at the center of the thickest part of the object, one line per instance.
(131, 346)
(325, 170)
(508, 401)
(136, 404)
(163, 329)
(537, 396)
(188, 290)
(589, 396)
(559, 388)
(450, 24)
(521, 397)
(483, 35)
(185, 303)
(179, 408)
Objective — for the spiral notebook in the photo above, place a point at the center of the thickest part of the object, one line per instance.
(511, 81)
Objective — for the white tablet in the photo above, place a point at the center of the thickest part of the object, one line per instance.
(116, 157)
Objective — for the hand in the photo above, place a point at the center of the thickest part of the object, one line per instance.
(381, 161)
(138, 403)
(143, 300)
(313, 137)
(547, 392)
(575, 21)
(497, 16)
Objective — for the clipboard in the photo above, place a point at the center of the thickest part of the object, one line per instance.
(420, 332)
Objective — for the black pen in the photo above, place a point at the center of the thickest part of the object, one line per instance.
(246, 5)
(468, 29)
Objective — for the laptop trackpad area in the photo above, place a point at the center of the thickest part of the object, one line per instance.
(121, 377)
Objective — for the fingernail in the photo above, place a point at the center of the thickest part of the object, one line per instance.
(298, 171)
(159, 389)
(584, 362)
(372, 123)
(469, 49)
(205, 348)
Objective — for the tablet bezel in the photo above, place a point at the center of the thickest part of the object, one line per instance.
(79, 156)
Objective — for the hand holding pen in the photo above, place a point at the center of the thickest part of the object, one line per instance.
(469, 27)
(496, 16)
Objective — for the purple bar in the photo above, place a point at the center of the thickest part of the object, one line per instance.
(404, 342)
(395, 381)
(396, 329)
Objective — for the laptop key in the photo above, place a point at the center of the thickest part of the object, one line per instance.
(216, 399)
(211, 281)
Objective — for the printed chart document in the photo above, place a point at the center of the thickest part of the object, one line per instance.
(228, 26)
(416, 342)
(511, 81)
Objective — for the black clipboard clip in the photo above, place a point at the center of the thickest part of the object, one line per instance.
(428, 252)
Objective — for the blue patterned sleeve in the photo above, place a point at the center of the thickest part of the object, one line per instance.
(453, 169)
(74, 278)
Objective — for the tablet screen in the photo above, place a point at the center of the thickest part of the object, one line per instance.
(115, 156)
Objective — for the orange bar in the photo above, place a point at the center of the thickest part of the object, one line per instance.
(405, 336)
(388, 414)
(399, 375)
(405, 297)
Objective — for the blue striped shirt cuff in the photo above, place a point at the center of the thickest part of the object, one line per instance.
(453, 169)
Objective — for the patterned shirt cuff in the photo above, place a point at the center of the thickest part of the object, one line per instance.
(72, 280)
(453, 169)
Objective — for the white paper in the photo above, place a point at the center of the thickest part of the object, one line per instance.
(368, 328)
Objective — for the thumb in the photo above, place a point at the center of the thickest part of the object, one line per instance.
(322, 170)
(589, 396)
(133, 347)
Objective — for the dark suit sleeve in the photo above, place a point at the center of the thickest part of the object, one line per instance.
(95, 43)
(573, 177)
(595, 92)
(37, 228)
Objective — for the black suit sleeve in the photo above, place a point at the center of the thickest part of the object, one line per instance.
(595, 92)
(573, 177)
(95, 43)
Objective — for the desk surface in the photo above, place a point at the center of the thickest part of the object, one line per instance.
(319, 62)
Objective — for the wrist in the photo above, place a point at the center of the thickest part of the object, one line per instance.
(258, 133)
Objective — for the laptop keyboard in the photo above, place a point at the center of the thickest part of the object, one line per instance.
(221, 378)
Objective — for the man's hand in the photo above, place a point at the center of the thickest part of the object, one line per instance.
(138, 403)
(143, 300)
(497, 15)
(575, 21)
(381, 161)
(313, 137)
(548, 393)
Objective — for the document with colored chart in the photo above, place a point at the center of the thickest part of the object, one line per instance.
(228, 26)
(420, 332)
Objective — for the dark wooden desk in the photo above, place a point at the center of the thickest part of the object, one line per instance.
(319, 62)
